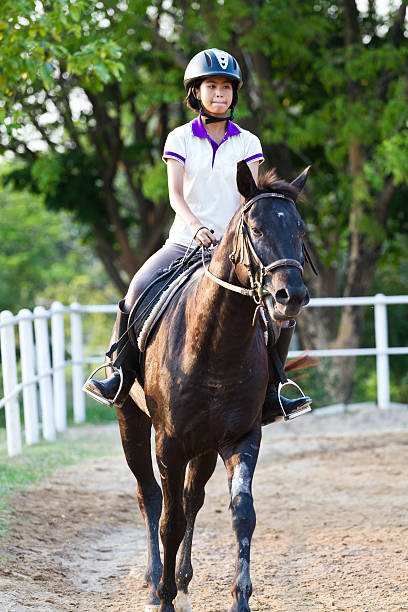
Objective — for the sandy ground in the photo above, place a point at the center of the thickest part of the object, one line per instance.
(332, 527)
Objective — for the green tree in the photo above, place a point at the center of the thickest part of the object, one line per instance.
(42, 258)
(325, 84)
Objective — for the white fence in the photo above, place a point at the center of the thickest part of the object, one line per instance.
(43, 382)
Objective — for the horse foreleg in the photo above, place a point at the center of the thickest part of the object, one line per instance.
(172, 468)
(240, 460)
(199, 472)
(135, 428)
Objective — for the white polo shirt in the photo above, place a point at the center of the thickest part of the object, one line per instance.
(210, 170)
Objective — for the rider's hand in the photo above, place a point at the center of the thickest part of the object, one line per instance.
(205, 238)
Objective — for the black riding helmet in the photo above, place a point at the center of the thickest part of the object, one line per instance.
(211, 62)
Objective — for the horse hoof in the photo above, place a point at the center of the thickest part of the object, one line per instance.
(182, 602)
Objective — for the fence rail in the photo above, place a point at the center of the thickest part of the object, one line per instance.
(43, 380)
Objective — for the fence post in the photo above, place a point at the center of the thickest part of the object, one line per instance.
(9, 365)
(58, 365)
(381, 341)
(27, 359)
(77, 364)
(44, 371)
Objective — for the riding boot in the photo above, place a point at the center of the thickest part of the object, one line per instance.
(127, 359)
(272, 410)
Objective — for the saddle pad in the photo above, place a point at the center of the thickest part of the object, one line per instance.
(150, 305)
(160, 306)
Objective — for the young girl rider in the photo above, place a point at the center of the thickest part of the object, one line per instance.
(201, 158)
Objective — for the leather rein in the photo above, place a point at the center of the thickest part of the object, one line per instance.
(250, 259)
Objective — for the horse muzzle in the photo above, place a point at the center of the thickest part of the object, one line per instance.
(285, 303)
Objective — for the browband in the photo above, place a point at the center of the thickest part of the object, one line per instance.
(248, 204)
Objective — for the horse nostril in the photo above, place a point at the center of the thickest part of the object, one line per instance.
(282, 296)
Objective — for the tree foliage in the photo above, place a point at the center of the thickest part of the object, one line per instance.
(89, 91)
(42, 257)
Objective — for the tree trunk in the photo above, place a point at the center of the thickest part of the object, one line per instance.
(127, 255)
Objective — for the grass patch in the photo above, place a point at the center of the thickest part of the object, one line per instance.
(96, 414)
(41, 460)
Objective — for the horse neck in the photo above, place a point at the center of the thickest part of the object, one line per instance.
(220, 320)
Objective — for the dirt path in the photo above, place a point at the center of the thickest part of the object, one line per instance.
(332, 533)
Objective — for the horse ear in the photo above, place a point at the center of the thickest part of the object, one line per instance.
(245, 181)
(300, 181)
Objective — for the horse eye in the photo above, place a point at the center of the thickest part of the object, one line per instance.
(302, 227)
(256, 231)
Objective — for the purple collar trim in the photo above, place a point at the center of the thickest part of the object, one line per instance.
(200, 131)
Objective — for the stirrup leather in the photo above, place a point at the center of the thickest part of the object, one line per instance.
(295, 413)
(97, 396)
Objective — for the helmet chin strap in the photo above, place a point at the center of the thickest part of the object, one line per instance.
(211, 119)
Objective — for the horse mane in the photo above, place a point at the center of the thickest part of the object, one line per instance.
(271, 182)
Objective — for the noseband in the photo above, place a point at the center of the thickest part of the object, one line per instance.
(249, 258)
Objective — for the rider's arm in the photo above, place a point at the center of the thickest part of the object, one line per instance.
(175, 173)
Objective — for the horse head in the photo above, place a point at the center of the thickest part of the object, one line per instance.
(269, 252)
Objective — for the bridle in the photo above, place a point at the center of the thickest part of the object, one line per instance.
(257, 270)
(248, 257)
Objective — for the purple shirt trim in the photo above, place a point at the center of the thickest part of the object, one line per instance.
(248, 159)
(200, 131)
(172, 154)
(232, 129)
(198, 128)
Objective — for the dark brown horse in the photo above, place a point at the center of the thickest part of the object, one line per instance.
(206, 374)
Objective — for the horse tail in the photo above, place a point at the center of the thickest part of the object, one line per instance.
(303, 362)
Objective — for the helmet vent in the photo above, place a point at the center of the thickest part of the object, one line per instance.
(208, 58)
(235, 64)
(222, 58)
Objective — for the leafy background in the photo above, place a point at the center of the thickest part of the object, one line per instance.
(89, 91)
